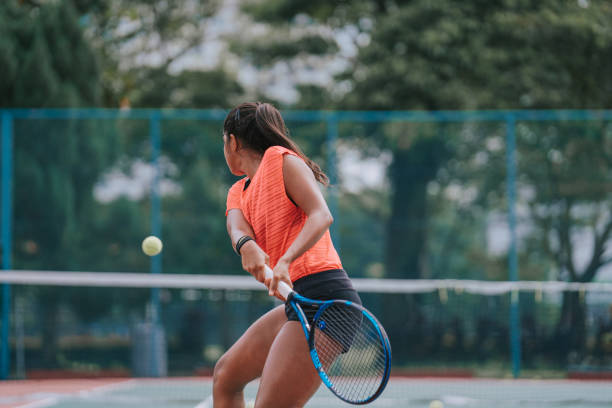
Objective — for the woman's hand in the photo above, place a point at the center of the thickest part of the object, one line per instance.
(254, 260)
(280, 273)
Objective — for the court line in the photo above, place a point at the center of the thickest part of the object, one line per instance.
(107, 387)
(49, 401)
(41, 403)
(207, 403)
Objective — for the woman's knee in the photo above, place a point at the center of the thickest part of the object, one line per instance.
(221, 375)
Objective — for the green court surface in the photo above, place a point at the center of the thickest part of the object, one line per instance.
(195, 393)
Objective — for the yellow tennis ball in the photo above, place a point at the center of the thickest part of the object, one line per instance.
(436, 404)
(152, 245)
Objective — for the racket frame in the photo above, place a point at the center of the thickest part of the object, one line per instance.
(295, 300)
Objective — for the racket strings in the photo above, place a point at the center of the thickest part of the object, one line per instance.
(357, 372)
(351, 352)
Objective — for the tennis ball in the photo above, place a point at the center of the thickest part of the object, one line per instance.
(436, 404)
(151, 245)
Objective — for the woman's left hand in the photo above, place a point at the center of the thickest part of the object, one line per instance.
(281, 273)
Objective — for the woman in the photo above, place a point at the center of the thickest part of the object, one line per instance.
(276, 215)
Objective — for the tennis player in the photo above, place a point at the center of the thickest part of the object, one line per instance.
(276, 215)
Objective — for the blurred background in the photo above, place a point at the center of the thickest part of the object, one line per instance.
(466, 141)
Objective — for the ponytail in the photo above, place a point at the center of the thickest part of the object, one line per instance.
(259, 126)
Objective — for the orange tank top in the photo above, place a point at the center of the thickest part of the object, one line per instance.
(276, 220)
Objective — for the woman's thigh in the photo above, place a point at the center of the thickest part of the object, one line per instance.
(245, 360)
(289, 378)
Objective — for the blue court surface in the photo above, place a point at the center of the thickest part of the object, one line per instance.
(196, 393)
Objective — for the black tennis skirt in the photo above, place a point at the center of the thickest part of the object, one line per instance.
(326, 285)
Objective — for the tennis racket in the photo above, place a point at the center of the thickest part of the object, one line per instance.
(348, 346)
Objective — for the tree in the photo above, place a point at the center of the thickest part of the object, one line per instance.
(508, 55)
(471, 55)
(569, 198)
(143, 45)
(57, 165)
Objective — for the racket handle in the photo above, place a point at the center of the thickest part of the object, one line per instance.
(283, 288)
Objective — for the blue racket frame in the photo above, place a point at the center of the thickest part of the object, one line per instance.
(295, 299)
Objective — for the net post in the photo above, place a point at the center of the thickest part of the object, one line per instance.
(515, 329)
(332, 144)
(7, 237)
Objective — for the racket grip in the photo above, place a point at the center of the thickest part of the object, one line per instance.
(283, 288)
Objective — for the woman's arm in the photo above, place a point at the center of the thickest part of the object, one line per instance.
(303, 189)
(253, 257)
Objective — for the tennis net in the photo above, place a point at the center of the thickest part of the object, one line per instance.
(94, 324)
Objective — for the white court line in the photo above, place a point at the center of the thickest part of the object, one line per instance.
(207, 403)
(47, 402)
(41, 403)
(106, 388)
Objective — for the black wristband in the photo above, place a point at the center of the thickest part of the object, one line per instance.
(241, 241)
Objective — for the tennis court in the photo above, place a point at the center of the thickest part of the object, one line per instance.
(401, 392)
(421, 375)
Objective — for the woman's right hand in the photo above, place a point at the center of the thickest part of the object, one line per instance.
(254, 260)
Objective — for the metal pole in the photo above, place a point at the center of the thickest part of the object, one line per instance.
(332, 145)
(7, 238)
(20, 370)
(515, 328)
(156, 265)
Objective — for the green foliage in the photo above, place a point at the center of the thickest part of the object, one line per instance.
(264, 52)
(8, 60)
(569, 192)
(56, 69)
(140, 42)
(194, 226)
(329, 12)
(311, 97)
(48, 61)
(59, 225)
(438, 55)
(50, 64)
(449, 55)
(189, 89)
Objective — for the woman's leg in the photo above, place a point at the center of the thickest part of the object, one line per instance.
(289, 378)
(245, 360)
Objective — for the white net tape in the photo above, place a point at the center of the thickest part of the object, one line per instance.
(243, 282)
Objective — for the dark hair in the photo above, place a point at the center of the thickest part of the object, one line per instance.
(259, 126)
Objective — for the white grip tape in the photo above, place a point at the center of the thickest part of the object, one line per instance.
(283, 288)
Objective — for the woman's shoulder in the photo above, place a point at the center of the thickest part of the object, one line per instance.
(238, 185)
(278, 151)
